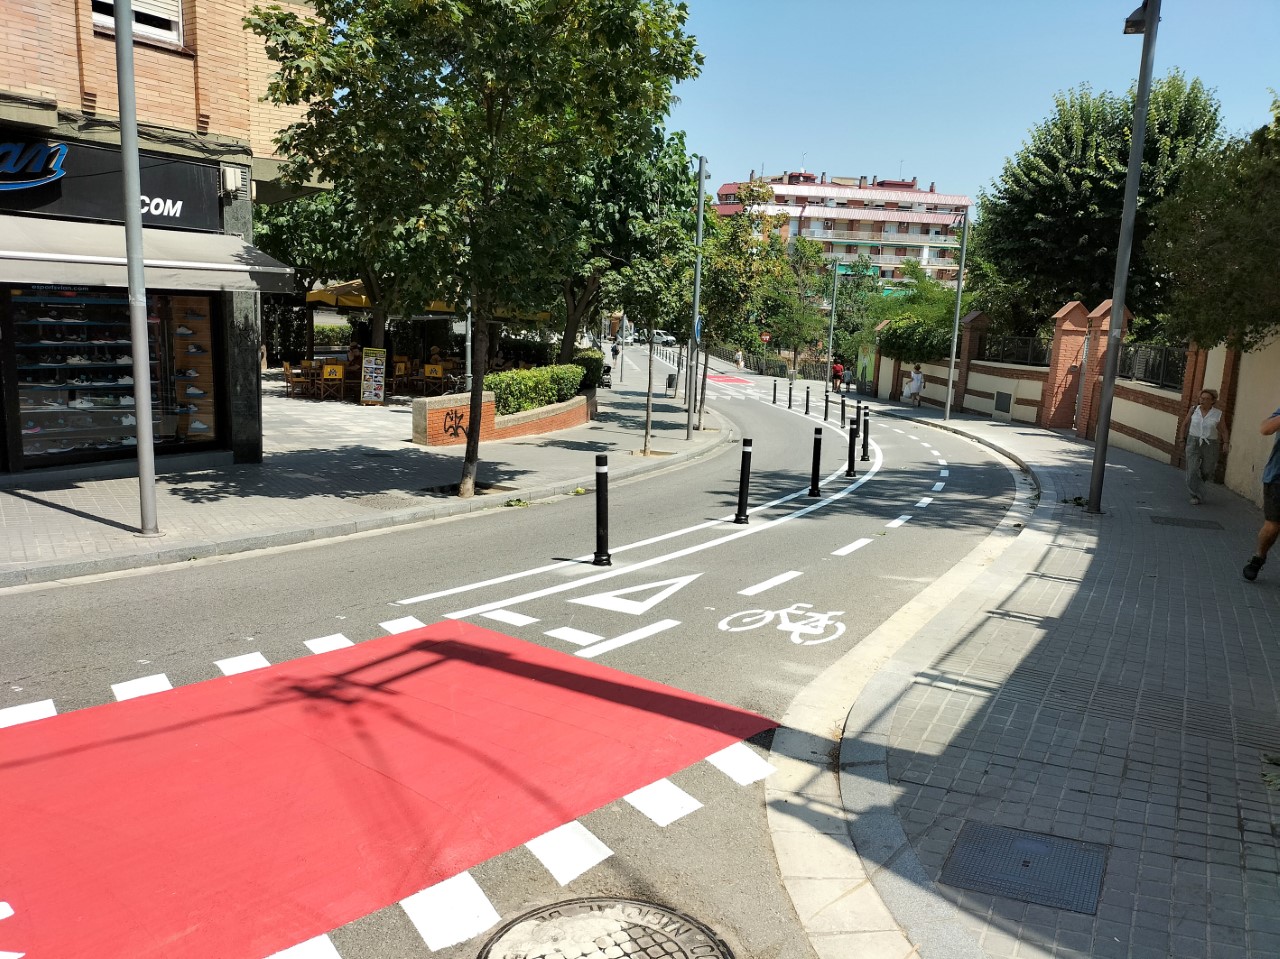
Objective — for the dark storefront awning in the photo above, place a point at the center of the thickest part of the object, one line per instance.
(38, 250)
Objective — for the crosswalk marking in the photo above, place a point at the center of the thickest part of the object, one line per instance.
(664, 802)
(741, 764)
(327, 644)
(402, 625)
(242, 664)
(591, 652)
(579, 637)
(27, 712)
(130, 689)
(894, 524)
(318, 948)
(769, 583)
(937, 487)
(509, 617)
(568, 851)
(852, 547)
(944, 472)
(450, 912)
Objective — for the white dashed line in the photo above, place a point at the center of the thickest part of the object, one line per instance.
(896, 430)
(937, 487)
(852, 547)
(944, 472)
(242, 664)
(402, 625)
(769, 583)
(894, 524)
(578, 637)
(569, 851)
(942, 462)
(924, 502)
(450, 912)
(740, 763)
(934, 453)
(27, 713)
(510, 618)
(132, 688)
(327, 644)
(591, 652)
(664, 802)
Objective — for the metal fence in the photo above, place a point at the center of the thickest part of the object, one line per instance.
(1020, 350)
(764, 365)
(1162, 366)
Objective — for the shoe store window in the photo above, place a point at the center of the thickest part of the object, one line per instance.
(72, 364)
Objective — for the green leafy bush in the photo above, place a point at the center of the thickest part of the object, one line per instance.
(592, 365)
(913, 339)
(333, 335)
(565, 380)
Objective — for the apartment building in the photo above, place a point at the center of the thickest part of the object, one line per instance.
(889, 221)
(66, 389)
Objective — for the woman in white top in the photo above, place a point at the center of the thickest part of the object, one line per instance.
(1206, 439)
(916, 387)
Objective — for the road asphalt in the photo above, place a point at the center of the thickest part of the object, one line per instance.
(1069, 727)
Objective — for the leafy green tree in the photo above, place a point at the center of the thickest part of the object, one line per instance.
(1217, 239)
(920, 322)
(451, 123)
(857, 291)
(1047, 230)
(737, 270)
(792, 303)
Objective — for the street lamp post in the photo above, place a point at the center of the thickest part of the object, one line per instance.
(831, 329)
(696, 333)
(955, 326)
(1144, 20)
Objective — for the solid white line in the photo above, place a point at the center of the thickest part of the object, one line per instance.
(937, 487)
(133, 688)
(664, 802)
(450, 912)
(740, 763)
(894, 524)
(510, 618)
(401, 625)
(490, 582)
(27, 713)
(578, 637)
(318, 948)
(568, 851)
(591, 652)
(852, 547)
(677, 554)
(327, 644)
(924, 502)
(769, 583)
(944, 472)
(242, 664)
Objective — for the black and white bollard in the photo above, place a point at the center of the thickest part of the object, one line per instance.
(744, 480)
(866, 434)
(817, 462)
(843, 418)
(602, 512)
(789, 389)
(850, 469)
(806, 401)
(775, 392)
(826, 406)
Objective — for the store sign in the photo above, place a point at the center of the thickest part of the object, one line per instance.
(82, 181)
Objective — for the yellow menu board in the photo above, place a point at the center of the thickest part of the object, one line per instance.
(373, 376)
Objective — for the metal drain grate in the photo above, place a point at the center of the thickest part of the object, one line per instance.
(1027, 866)
(1189, 523)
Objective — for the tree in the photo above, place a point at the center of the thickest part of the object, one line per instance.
(920, 322)
(1047, 231)
(1217, 240)
(451, 123)
(737, 272)
(797, 286)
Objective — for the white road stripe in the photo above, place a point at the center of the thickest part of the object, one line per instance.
(626, 639)
(664, 802)
(450, 912)
(740, 763)
(942, 462)
(27, 713)
(578, 637)
(133, 688)
(327, 644)
(896, 430)
(569, 851)
(242, 664)
(944, 472)
(934, 453)
(510, 618)
(937, 487)
(894, 524)
(402, 625)
(769, 583)
(852, 547)
(318, 948)
(924, 502)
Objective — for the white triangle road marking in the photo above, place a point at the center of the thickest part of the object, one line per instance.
(613, 601)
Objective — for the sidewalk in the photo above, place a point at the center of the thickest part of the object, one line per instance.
(1105, 685)
(328, 469)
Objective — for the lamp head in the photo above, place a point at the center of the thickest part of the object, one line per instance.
(1136, 22)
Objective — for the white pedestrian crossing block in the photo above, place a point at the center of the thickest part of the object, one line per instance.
(579, 637)
(509, 617)
(568, 851)
(242, 664)
(318, 948)
(27, 713)
(937, 487)
(133, 688)
(402, 625)
(327, 644)
(944, 472)
(740, 763)
(664, 802)
(450, 912)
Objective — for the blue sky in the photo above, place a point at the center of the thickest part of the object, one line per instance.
(943, 90)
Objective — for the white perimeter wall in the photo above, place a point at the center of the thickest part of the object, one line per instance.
(1257, 397)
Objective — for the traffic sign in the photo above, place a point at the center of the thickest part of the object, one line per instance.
(765, 337)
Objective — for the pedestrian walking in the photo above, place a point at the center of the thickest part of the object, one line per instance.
(848, 378)
(1206, 438)
(737, 358)
(916, 386)
(1270, 500)
(837, 376)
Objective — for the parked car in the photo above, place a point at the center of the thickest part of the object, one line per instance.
(663, 338)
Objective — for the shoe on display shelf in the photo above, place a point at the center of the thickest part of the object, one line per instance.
(124, 381)
(80, 380)
(198, 427)
(124, 360)
(195, 391)
(188, 374)
(186, 408)
(195, 349)
(129, 440)
(78, 361)
(105, 381)
(47, 319)
(125, 401)
(128, 420)
(61, 448)
(30, 427)
(53, 404)
(82, 404)
(50, 361)
(183, 331)
(193, 315)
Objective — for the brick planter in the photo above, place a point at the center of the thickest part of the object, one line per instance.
(442, 420)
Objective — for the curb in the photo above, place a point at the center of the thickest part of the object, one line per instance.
(49, 571)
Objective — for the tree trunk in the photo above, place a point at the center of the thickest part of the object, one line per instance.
(481, 312)
(377, 322)
(576, 306)
(648, 399)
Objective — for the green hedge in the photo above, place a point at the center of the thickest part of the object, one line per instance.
(333, 335)
(517, 390)
(592, 363)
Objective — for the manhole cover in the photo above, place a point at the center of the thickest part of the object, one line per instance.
(1189, 523)
(604, 929)
(1027, 866)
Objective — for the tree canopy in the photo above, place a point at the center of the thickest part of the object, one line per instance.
(1048, 228)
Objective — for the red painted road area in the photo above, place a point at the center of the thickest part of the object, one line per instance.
(237, 817)
(723, 378)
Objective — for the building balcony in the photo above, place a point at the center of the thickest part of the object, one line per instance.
(883, 239)
(888, 259)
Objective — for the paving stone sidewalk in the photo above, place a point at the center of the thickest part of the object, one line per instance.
(329, 469)
(1110, 680)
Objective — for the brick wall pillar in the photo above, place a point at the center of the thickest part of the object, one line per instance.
(1062, 388)
(1095, 365)
(972, 328)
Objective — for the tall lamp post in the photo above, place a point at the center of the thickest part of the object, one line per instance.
(955, 326)
(831, 329)
(1144, 20)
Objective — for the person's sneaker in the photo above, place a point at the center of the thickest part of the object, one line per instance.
(183, 331)
(1252, 568)
(198, 427)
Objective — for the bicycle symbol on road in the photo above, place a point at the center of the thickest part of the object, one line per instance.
(798, 619)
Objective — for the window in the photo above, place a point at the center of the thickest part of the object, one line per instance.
(152, 19)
